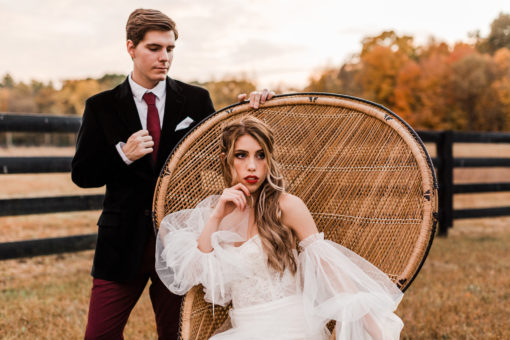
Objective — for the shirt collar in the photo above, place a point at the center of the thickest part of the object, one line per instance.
(138, 90)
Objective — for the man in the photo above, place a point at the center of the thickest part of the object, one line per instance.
(125, 137)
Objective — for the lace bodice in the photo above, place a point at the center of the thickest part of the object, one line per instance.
(259, 283)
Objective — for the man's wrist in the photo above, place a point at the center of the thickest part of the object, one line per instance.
(122, 154)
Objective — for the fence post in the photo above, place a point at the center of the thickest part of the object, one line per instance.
(444, 148)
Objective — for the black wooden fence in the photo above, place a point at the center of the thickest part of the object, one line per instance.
(444, 163)
(25, 206)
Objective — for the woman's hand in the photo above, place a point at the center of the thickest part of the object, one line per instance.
(231, 198)
(235, 196)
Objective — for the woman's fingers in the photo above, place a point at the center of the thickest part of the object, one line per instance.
(243, 188)
(237, 195)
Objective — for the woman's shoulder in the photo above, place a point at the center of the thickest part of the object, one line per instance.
(296, 215)
(290, 203)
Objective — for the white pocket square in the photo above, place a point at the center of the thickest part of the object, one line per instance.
(184, 124)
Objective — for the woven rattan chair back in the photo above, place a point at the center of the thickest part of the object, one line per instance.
(362, 171)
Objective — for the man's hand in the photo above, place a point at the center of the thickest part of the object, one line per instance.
(138, 145)
(257, 97)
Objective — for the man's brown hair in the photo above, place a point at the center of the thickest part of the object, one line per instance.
(143, 20)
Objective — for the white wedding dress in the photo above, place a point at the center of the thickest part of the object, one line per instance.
(332, 282)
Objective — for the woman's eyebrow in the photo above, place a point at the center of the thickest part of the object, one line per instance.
(241, 150)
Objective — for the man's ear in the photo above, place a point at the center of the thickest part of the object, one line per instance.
(130, 46)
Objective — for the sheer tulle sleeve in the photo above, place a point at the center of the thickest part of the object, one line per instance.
(181, 265)
(340, 285)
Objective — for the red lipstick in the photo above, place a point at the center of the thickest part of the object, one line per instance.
(251, 179)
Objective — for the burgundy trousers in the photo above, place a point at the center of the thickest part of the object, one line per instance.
(111, 303)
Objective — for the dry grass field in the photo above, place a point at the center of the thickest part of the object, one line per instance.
(462, 291)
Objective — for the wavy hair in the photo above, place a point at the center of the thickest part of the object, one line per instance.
(277, 239)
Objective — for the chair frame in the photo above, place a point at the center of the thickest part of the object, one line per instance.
(416, 146)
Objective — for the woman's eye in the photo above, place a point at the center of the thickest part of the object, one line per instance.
(261, 155)
(239, 155)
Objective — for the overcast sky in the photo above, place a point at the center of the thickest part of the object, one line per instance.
(272, 41)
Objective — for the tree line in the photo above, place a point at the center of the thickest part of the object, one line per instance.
(434, 86)
(464, 86)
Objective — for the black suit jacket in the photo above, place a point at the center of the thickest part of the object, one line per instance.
(125, 222)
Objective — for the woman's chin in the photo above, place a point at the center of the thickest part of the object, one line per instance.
(252, 188)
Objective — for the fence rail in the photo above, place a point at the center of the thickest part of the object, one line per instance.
(444, 163)
(38, 123)
(44, 205)
(32, 165)
(47, 246)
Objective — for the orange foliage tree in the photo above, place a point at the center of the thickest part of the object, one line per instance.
(434, 86)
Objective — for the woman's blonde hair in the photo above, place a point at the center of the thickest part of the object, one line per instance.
(277, 239)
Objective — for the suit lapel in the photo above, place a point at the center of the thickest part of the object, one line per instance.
(128, 115)
(174, 106)
(127, 112)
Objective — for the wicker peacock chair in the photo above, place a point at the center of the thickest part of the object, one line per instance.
(362, 171)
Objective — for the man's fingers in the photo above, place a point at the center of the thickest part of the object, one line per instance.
(147, 144)
(264, 95)
(270, 95)
(252, 99)
(255, 100)
(138, 134)
(145, 138)
(260, 97)
(141, 133)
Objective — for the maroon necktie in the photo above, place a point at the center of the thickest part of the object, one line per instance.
(153, 122)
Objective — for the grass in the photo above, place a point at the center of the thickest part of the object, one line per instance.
(47, 298)
(462, 291)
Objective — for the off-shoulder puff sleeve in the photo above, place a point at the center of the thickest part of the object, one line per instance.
(181, 265)
(340, 285)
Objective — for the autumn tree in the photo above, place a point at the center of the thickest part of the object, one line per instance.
(381, 60)
(73, 94)
(499, 36)
(431, 109)
(333, 80)
(434, 86)
(502, 85)
(224, 92)
(470, 81)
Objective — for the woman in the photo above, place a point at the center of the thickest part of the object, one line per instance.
(241, 246)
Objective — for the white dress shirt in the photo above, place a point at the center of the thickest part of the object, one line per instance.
(141, 106)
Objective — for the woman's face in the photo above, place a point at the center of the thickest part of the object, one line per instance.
(250, 166)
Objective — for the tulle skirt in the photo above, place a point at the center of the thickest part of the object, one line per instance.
(282, 319)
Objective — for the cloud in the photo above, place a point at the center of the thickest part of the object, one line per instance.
(57, 39)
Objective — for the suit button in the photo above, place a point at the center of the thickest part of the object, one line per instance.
(147, 212)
